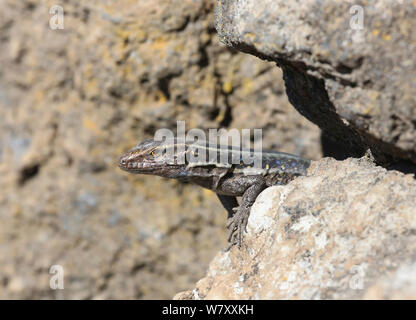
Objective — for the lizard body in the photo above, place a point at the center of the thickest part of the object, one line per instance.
(224, 172)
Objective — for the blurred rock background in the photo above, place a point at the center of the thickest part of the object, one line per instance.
(73, 100)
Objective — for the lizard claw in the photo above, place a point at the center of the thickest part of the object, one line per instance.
(237, 226)
(231, 220)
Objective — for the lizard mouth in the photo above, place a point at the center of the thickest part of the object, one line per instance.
(130, 164)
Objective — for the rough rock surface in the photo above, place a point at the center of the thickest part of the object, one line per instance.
(345, 231)
(73, 100)
(357, 85)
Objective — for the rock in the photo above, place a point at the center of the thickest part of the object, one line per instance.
(73, 100)
(357, 84)
(345, 231)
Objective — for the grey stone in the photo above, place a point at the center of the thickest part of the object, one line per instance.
(345, 231)
(358, 86)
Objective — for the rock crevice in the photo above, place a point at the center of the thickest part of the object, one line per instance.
(357, 84)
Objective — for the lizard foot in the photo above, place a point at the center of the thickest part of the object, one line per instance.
(237, 226)
(231, 220)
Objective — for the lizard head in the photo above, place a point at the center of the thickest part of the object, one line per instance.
(149, 157)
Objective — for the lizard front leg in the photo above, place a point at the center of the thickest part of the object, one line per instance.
(238, 223)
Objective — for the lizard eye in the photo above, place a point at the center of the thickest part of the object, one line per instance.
(158, 152)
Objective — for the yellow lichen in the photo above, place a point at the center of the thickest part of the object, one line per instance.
(91, 125)
(158, 44)
(247, 86)
(227, 86)
(160, 97)
(221, 115)
(250, 36)
(208, 193)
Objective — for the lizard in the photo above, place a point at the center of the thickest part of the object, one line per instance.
(226, 178)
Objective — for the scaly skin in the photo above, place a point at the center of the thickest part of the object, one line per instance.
(227, 180)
